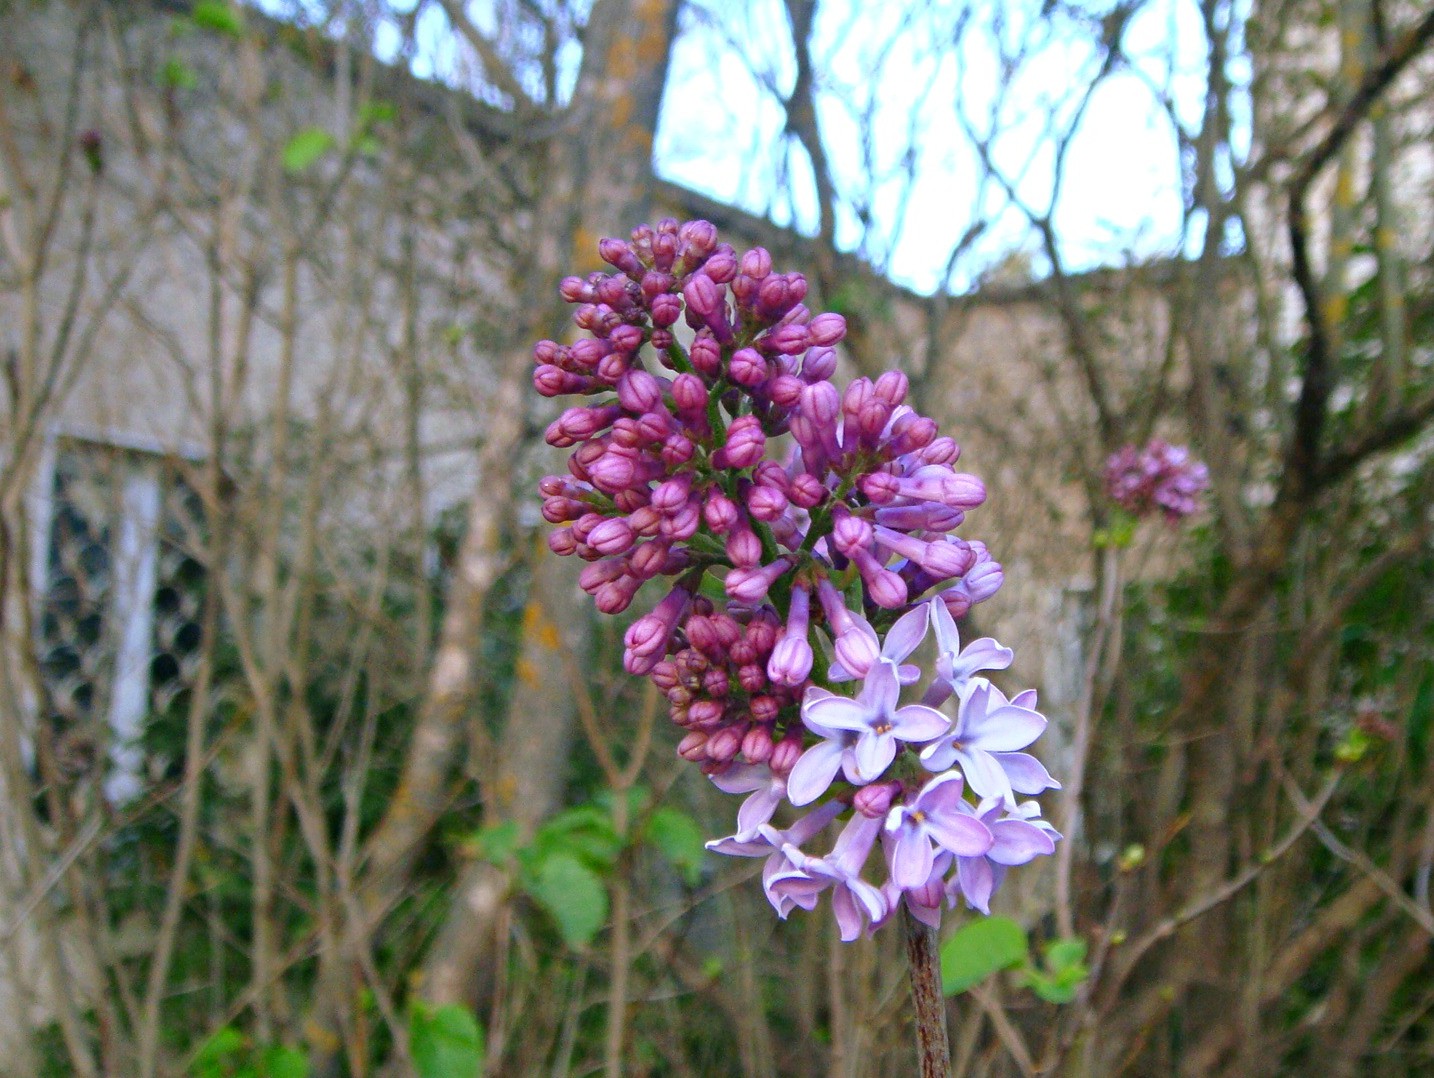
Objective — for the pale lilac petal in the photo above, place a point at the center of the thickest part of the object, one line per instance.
(908, 673)
(1017, 842)
(742, 778)
(983, 654)
(977, 881)
(1025, 699)
(873, 755)
(813, 823)
(848, 916)
(758, 808)
(948, 640)
(1004, 729)
(983, 774)
(869, 898)
(732, 846)
(1027, 774)
(853, 845)
(963, 835)
(916, 722)
(911, 858)
(941, 755)
(927, 915)
(813, 772)
(905, 636)
(941, 794)
(881, 691)
(838, 713)
(795, 888)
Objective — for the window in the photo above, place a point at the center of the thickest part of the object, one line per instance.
(118, 591)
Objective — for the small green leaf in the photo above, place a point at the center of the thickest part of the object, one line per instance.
(175, 74)
(218, 16)
(573, 895)
(979, 949)
(585, 832)
(496, 843)
(305, 148)
(376, 112)
(281, 1062)
(221, 1055)
(446, 1041)
(680, 840)
(1065, 953)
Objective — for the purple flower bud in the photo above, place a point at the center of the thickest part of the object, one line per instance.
(617, 253)
(562, 510)
(670, 496)
(599, 573)
(788, 340)
(562, 543)
(757, 263)
(752, 677)
(723, 745)
(757, 745)
(744, 290)
(617, 595)
(702, 634)
(684, 523)
(765, 708)
(706, 356)
(721, 266)
(764, 503)
(826, 329)
(748, 368)
(649, 559)
(911, 432)
(885, 588)
(874, 800)
(699, 236)
(792, 657)
(677, 449)
(750, 585)
(943, 450)
(785, 390)
(693, 747)
(819, 364)
(806, 491)
(705, 714)
(743, 547)
(551, 381)
(575, 290)
(715, 683)
(638, 391)
(786, 752)
(664, 251)
(705, 300)
(720, 512)
(745, 446)
(891, 388)
(850, 533)
(880, 488)
(689, 395)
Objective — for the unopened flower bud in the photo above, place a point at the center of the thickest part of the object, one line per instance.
(724, 744)
(786, 752)
(693, 747)
(757, 745)
(874, 800)
(766, 503)
(757, 263)
(706, 356)
(617, 253)
(721, 513)
(819, 364)
(748, 368)
(722, 265)
(826, 329)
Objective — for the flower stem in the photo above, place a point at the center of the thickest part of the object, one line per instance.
(924, 966)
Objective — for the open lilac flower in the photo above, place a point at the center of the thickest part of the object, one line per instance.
(956, 667)
(987, 728)
(937, 814)
(925, 901)
(768, 790)
(855, 902)
(1015, 839)
(875, 720)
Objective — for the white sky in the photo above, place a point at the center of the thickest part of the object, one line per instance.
(894, 79)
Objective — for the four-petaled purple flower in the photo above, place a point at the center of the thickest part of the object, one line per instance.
(936, 814)
(1015, 839)
(860, 735)
(855, 902)
(988, 730)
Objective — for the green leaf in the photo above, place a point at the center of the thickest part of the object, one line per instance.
(573, 895)
(496, 843)
(678, 837)
(979, 949)
(219, 16)
(446, 1041)
(221, 1055)
(175, 74)
(376, 112)
(306, 147)
(281, 1062)
(1065, 953)
(585, 832)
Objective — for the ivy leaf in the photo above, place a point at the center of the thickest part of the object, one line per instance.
(218, 16)
(446, 1041)
(679, 839)
(978, 949)
(573, 895)
(305, 148)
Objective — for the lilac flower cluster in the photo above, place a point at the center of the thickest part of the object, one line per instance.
(698, 361)
(1160, 477)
